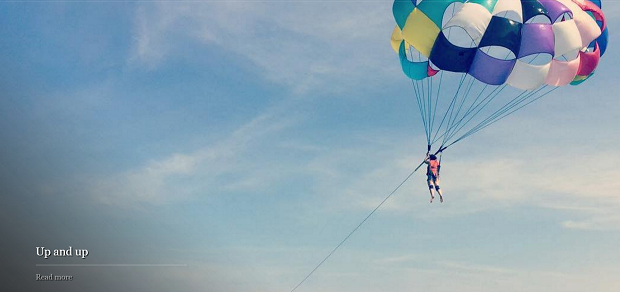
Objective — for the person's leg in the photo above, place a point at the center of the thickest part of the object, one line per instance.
(436, 183)
(430, 189)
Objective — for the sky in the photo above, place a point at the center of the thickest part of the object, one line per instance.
(231, 145)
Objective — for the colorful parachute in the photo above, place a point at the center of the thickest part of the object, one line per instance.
(527, 45)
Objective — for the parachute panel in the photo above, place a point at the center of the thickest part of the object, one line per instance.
(420, 31)
(527, 76)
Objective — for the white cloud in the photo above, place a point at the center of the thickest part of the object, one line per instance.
(150, 48)
(301, 45)
(361, 173)
(182, 176)
(609, 220)
(399, 259)
(411, 272)
(582, 187)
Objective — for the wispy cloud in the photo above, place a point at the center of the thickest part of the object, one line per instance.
(181, 176)
(474, 268)
(301, 45)
(609, 220)
(400, 259)
(565, 181)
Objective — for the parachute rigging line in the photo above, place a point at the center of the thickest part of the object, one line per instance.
(465, 96)
(419, 103)
(451, 110)
(420, 99)
(471, 106)
(436, 99)
(447, 137)
(520, 98)
(457, 122)
(429, 82)
(463, 76)
(473, 131)
(483, 103)
(464, 107)
(511, 104)
(359, 225)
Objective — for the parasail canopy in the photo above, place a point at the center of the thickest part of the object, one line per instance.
(530, 46)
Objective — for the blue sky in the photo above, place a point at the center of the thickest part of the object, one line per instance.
(246, 139)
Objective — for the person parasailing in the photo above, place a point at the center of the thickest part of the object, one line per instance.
(432, 175)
